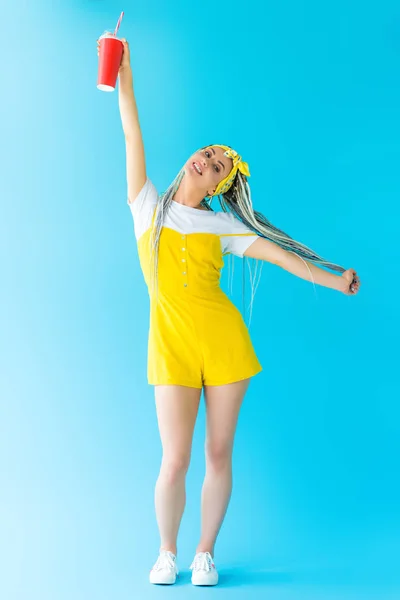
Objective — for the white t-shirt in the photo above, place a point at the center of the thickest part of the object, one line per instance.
(234, 235)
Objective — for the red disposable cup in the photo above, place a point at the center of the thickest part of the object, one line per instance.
(110, 56)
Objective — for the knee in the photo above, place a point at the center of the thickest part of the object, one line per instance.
(218, 456)
(174, 467)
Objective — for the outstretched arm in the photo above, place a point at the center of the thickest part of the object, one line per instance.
(135, 159)
(135, 156)
(263, 249)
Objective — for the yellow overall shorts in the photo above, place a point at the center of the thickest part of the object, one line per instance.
(197, 336)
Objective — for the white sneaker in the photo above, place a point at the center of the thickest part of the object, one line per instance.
(165, 570)
(203, 570)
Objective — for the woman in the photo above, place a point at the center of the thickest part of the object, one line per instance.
(197, 337)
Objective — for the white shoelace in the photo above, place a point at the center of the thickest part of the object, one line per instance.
(202, 562)
(164, 561)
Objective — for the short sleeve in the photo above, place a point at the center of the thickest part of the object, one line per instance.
(142, 207)
(238, 236)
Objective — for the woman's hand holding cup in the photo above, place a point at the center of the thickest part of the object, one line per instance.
(126, 57)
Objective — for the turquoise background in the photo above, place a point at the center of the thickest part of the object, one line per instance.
(309, 94)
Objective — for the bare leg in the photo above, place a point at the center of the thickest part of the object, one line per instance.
(222, 404)
(177, 408)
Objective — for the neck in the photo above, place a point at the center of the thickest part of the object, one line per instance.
(188, 197)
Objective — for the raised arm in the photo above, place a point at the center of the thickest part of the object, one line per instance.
(135, 158)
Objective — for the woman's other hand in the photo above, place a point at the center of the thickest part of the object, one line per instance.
(351, 282)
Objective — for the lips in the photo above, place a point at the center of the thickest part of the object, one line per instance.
(194, 168)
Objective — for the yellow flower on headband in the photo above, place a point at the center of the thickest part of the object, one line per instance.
(238, 165)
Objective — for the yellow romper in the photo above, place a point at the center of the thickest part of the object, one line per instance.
(197, 336)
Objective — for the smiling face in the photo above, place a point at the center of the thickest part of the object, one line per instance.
(207, 168)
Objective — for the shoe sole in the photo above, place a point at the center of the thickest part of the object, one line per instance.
(155, 581)
(162, 582)
(205, 583)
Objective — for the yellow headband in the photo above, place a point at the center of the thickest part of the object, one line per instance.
(238, 165)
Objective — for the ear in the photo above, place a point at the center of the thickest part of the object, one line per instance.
(213, 192)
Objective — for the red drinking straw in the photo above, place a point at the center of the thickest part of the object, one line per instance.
(118, 24)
